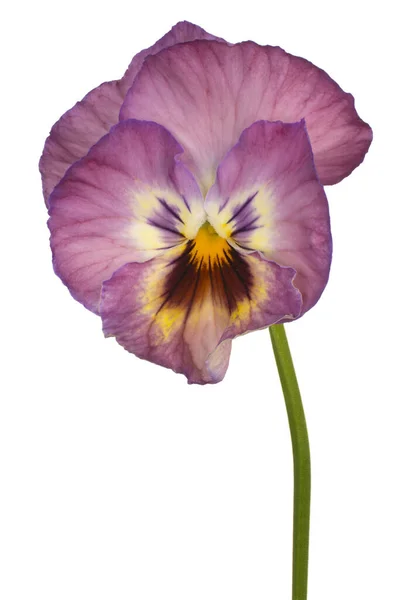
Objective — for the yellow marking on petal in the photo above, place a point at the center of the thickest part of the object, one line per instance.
(167, 319)
(242, 311)
(226, 230)
(259, 293)
(145, 235)
(263, 203)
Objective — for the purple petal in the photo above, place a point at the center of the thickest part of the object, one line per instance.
(207, 93)
(77, 130)
(267, 197)
(180, 310)
(127, 200)
(84, 124)
(181, 32)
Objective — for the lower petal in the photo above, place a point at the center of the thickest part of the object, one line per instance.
(181, 310)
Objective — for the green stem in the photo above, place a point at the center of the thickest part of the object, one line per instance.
(301, 460)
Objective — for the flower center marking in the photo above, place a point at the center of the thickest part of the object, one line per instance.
(208, 267)
(209, 246)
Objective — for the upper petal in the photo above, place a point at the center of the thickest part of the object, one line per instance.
(76, 131)
(207, 93)
(127, 200)
(267, 197)
(181, 32)
(84, 124)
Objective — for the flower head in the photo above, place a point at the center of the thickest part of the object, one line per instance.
(200, 215)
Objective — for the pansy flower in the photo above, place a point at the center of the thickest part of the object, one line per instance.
(186, 200)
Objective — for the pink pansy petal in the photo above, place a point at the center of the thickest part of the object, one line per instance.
(127, 200)
(77, 130)
(207, 93)
(181, 32)
(84, 124)
(267, 197)
(181, 309)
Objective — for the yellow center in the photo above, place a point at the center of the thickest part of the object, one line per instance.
(209, 247)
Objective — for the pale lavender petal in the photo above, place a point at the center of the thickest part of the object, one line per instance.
(181, 32)
(128, 200)
(76, 131)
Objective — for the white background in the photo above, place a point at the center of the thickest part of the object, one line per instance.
(120, 481)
